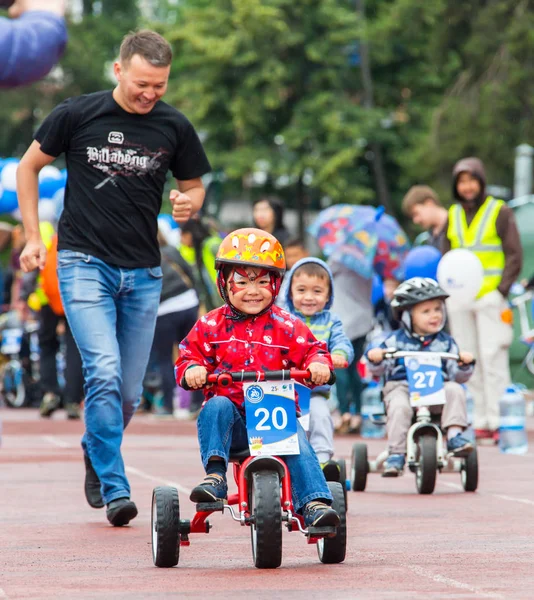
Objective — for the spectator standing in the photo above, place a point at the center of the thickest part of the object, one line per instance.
(424, 208)
(487, 227)
(353, 305)
(268, 215)
(199, 245)
(177, 313)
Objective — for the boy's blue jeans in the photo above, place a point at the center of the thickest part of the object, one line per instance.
(222, 429)
(112, 314)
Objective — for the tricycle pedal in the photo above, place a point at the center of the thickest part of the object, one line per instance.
(322, 531)
(211, 506)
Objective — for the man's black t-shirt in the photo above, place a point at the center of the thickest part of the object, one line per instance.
(117, 164)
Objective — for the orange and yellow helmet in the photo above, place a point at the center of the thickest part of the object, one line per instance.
(251, 247)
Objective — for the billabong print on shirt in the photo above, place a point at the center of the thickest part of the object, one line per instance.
(124, 162)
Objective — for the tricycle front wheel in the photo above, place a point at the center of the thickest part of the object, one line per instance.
(165, 526)
(266, 513)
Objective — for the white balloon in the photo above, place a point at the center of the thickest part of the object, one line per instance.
(59, 201)
(8, 176)
(50, 172)
(460, 274)
(16, 215)
(47, 210)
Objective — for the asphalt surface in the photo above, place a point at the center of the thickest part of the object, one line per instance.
(402, 545)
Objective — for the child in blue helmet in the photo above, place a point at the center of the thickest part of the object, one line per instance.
(419, 304)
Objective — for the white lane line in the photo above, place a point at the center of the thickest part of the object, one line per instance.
(455, 486)
(148, 477)
(499, 496)
(451, 582)
(512, 499)
(55, 441)
(3, 595)
(436, 577)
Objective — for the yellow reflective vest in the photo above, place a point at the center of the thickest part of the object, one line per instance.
(481, 238)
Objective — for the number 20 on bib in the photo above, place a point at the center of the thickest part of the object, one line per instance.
(425, 380)
(271, 418)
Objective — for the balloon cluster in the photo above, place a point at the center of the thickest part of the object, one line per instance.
(459, 273)
(52, 183)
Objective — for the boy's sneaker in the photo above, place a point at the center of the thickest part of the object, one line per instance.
(49, 404)
(459, 445)
(213, 488)
(394, 465)
(331, 470)
(319, 514)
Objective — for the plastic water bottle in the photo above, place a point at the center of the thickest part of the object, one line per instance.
(372, 406)
(512, 430)
(469, 433)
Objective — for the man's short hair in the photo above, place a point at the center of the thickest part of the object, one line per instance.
(150, 45)
(418, 194)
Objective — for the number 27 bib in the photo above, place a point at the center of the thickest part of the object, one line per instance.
(425, 380)
(271, 418)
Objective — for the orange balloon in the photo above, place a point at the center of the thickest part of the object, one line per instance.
(507, 316)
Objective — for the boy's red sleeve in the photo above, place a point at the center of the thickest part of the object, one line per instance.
(194, 350)
(309, 351)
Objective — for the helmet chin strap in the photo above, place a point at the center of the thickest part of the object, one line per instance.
(238, 315)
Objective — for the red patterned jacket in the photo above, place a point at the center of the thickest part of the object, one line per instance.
(275, 340)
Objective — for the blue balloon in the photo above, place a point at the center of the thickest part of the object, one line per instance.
(422, 261)
(48, 187)
(168, 219)
(8, 202)
(377, 292)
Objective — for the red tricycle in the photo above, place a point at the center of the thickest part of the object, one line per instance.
(263, 500)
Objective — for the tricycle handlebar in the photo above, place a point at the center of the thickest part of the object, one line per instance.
(394, 353)
(226, 378)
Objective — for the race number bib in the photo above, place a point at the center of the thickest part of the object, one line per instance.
(11, 341)
(271, 418)
(425, 380)
(304, 394)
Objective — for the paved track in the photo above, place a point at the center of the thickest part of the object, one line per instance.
(450, 545)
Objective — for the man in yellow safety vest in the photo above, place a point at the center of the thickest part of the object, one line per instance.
(487, 227)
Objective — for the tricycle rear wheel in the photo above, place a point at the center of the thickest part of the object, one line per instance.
(470, 471)
(359, 468)
(332, 550)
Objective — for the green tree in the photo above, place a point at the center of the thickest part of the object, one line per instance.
(466, 71)
(270, 84)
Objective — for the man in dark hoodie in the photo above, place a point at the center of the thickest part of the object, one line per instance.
(487, 227)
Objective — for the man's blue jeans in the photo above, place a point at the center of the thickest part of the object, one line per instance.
(112, 314)
(222, 429)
